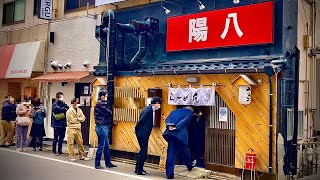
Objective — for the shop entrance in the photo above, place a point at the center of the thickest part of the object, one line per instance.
(82, 92)
(220, 138)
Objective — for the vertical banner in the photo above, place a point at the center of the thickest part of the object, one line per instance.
(207, 96)
(174, 96)
(195, 101)
(186, 94)
(245, 95)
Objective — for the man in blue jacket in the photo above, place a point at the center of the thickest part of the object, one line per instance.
(102, 117)
(58, 122)
(143, 130)
(8, 114)
(176, 135)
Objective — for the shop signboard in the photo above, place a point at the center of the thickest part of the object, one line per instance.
(238, 26)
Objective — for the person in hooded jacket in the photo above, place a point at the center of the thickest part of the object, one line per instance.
(58, 123)
(176, 135)
(143, 130)
(102, 117)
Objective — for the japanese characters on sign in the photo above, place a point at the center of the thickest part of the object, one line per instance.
(245, 95)
(192, 96)
(244, 25)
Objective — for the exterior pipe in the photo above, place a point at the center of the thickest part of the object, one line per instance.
(134, 63)
(109, 19)
(270, 125)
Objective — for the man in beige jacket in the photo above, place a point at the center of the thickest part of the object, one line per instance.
(74, 118)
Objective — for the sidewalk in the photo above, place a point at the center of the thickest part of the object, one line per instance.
(128, 166)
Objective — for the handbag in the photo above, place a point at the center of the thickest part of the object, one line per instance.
(23, 121)
(59, 116)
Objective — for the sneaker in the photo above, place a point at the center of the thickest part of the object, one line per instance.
(34, 149)
(24, 149)
(60, 153)
(18, 149)
(99, 167)
(55, 154)
(111, 166)
(40, 149)
(72, 159)
(84, 158)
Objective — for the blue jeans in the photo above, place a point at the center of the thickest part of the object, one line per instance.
(21, 136)
(59, 134)
(103, 145)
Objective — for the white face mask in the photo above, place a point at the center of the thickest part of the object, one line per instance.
(61, 98)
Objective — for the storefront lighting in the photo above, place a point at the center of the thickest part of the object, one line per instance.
(167, 11)
(236, 1)
(201, 6)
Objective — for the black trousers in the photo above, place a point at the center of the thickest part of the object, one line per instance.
(36, 140)
(59, 134)
(143, 154)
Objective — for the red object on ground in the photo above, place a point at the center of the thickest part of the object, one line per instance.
(251, 160)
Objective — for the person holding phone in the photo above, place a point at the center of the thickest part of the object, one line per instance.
(58, 123)
(24, 112)
(37, 130)
(176, 135)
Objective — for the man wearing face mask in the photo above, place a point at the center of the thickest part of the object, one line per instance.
(102, 117)
(58, 122)
(143, 130)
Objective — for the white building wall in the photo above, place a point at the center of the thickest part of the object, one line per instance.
(310, 122)
(75, 42)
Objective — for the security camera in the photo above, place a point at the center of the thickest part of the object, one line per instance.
(60, 66)
(68, 65)
(54, 65)
(86, 64)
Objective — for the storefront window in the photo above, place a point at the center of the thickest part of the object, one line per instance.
(13, 12)
(77, 4)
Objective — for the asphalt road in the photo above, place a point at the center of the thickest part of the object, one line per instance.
(43, 166)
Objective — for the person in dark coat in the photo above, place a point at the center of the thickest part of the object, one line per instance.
(176, 135)
(8, 114)
(196, 130)
(37, 130)
(143, 130)
(102, 117)
(59, 109)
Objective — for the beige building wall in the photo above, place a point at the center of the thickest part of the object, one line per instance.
(32, 29)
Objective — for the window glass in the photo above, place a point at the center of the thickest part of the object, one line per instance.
(19, 10)
(35, 7)
(8, 13)
(72, 4)
(83, 3)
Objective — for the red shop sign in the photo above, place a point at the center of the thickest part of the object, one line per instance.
(244, 25)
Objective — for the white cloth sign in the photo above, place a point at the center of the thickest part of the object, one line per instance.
(174, 96)
(207, 96)
(192, 96)
(245, 95)
(223, 114)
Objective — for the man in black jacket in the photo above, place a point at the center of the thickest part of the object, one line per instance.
(8, 114)
(58, 122)
(143, 130)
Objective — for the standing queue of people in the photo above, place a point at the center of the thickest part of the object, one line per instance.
(63, 116)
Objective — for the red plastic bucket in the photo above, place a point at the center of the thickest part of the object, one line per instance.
(251, 160)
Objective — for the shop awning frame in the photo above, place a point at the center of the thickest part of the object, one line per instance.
(75, 76)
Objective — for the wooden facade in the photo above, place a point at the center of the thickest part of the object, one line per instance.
(251, 126)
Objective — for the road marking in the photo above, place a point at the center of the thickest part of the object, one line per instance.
(75, 164)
